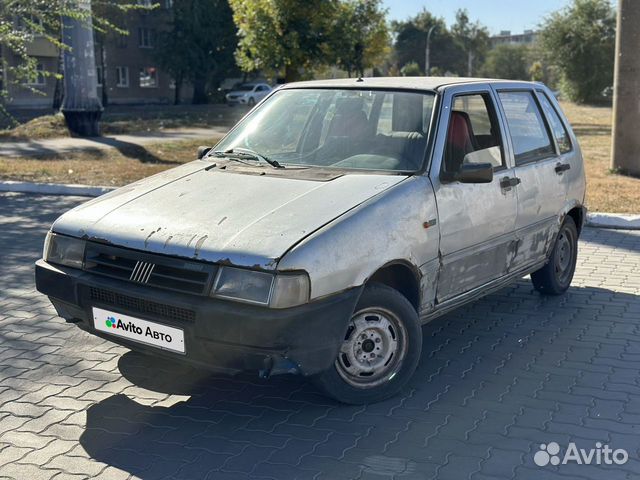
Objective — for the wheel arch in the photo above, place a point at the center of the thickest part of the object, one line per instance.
(401, 276)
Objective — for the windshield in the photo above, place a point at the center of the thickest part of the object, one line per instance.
(350, 129)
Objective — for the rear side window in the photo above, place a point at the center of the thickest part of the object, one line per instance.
(557, 127)
(529, 134)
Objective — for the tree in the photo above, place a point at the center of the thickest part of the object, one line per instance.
(359, 35)
(411, 40)
(20, 20)
(507, 61)
(283, 35)
(580, 41)
(411, 69)
(473, 38)
(198, 46)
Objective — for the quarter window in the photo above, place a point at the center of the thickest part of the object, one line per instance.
(557, 127)
(529, 134)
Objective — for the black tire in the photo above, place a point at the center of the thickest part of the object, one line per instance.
(555, 277)
(251, 102)
(381, 315)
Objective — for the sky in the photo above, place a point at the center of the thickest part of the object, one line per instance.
(497, 15)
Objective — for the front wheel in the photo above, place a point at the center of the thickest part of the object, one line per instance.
(251, 102)
(555, 277)
(379, 352)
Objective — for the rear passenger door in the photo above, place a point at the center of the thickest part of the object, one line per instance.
(540, 191)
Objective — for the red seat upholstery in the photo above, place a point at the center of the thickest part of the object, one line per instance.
(460, 140)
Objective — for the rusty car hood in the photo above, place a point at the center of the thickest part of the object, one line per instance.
(196, 212)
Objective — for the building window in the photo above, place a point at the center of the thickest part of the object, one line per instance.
(148, 77)
(122, 77)
(38, 78)
(99, 76)
(145, 37)
(168, 4)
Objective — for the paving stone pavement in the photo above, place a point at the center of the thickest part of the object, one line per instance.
(497, 379)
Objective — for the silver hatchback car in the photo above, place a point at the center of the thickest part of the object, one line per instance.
(331, 222)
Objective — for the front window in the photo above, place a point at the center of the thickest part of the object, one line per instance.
(346, 129)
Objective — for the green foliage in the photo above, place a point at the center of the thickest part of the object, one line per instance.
(359, 36)
(282, 35)
(536, 72)
(21, 20)
(297, 37)
(473, 38)
(580, 41)
(451, 50)
(411, 69)
(199, 44)
(507, 61)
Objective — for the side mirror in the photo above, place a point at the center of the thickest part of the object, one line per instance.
(475, 173)
(202, 151)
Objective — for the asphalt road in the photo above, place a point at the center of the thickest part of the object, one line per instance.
(497, 379)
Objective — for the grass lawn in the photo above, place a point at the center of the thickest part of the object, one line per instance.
(102, 166)
(606, 192)
(122, 120)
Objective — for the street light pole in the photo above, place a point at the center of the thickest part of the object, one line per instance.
(427, 52)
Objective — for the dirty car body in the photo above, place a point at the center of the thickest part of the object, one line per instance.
(435, 190)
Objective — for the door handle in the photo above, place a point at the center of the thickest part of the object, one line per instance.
(562, 167)
(508, 182)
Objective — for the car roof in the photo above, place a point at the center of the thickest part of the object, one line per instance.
(410, 83)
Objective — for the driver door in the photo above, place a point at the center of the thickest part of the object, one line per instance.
(477, 221)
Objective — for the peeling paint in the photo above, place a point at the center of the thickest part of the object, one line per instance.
(199, 243)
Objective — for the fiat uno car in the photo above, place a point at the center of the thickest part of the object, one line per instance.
(329, 224)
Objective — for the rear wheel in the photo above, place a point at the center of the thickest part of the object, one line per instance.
(555, 277)
(380, 350)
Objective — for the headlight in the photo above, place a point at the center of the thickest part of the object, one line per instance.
(262, 288)
(67, 251)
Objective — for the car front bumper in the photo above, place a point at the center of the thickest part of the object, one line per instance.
(221, 335)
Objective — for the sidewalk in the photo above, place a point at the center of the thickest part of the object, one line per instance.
(53, 146)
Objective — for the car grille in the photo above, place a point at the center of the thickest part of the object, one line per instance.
(142, 306)
(148, 269)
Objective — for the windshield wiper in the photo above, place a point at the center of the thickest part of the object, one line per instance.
(245, 152)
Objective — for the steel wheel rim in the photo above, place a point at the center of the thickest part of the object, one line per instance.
(563, 261)
(373, 348)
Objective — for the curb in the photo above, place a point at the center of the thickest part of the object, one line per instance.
(53, 189)
(619, 221)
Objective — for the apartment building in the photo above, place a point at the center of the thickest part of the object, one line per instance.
(126, 65)
(527, 37)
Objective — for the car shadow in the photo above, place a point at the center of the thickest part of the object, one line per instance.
(484, 378)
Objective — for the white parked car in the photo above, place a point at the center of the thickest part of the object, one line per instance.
(248, 94)
(333, 221)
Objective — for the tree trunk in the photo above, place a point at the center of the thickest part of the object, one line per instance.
(199, 91)
(625, 152)
(103, 66)
(176, 93)
(58, 89)
(291, 74)
(81, 106)
(470, 64)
